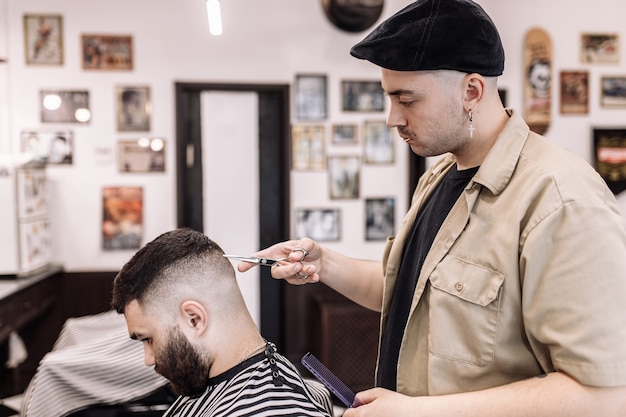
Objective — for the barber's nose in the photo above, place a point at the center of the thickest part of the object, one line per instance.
(395, 117)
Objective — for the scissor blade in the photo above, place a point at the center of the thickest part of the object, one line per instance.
(252, 259)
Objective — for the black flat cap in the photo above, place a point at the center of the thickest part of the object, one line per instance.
(435, 34)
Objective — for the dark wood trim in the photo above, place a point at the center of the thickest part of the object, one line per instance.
(274, 151)
(86, 293)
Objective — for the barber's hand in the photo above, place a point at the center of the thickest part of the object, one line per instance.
(288, 270)
(381, 402)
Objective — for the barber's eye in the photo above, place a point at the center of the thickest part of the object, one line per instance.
(405, 101)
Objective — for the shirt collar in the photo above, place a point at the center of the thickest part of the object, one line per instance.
(497, 169)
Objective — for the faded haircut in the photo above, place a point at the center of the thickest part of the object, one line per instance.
(171, 261)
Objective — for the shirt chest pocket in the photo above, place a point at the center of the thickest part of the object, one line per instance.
(464, 304)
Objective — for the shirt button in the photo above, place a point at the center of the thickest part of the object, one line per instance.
(459, 286)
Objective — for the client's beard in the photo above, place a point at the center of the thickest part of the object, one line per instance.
(183, 365)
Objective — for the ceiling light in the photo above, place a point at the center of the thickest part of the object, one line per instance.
(214, 13)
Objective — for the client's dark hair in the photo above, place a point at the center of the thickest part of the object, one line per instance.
(139, 275)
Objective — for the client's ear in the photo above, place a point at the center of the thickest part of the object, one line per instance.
(194, 316)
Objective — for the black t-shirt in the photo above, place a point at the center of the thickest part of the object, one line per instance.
(427, 224)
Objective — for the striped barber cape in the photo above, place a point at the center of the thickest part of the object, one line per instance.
(266, 385)
(93, 362)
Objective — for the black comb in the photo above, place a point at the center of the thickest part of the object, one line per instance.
(330, 380)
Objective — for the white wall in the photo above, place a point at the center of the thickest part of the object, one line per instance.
(565, 21)
(264, 41)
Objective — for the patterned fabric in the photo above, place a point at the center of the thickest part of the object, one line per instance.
(93, 362)
(265, 385)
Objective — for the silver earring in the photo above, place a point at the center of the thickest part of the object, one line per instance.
(471, 126)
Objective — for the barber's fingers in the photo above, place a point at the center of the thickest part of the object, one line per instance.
(297, 251)
(296, 273)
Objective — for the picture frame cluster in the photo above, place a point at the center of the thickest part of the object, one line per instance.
(600, 50)
(596, 49)
(341, 150)
(138, 150)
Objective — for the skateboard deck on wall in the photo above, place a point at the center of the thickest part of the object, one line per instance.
(537, 80)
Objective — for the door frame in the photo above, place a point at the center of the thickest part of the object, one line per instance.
(274, 161)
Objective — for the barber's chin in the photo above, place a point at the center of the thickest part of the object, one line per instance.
(417, 150)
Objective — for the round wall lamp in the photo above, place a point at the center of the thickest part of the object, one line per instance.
(353, 15)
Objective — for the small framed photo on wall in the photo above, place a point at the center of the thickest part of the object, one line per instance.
(54, 147)
(321, 224)
(613, 91)
(362, 96)
(107, 52)
(343, 176)
(134, 108)
(574, 92)
(380, 216)
(378, 144)
(599, 48)
(345, 134)
(43, 39)
(122, 217)
(610, 157)
(142, 155)
(65, 106)
(308, 148)
(311, 97)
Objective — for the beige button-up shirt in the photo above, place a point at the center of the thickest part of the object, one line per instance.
(527, 275)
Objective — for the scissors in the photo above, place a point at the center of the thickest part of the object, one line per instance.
(269, 261)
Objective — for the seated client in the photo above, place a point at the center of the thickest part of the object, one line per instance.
(180, 298)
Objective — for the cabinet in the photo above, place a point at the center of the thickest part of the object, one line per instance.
(342, 334)
(24, 222)
(346, 340)
(29, 307)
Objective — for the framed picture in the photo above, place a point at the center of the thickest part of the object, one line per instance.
(365, 96)
(107, 52)
(321, 224)
(142, 155)
(345, 134)
(610, 157)
(43, 39)
(54, 147)
(134, 108)
(311, 97)
(64, 106)
(380, 216)
(613, 91)
(307, 148)
(574, 92)
(600, 48)
(122, 217)
(378, 145)
(343, 176)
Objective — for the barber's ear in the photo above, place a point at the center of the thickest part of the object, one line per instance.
(194, 316)
(474, 90)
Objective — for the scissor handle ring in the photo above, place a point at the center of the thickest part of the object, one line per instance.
(277, 261)
(304, 253)
(298, 274)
